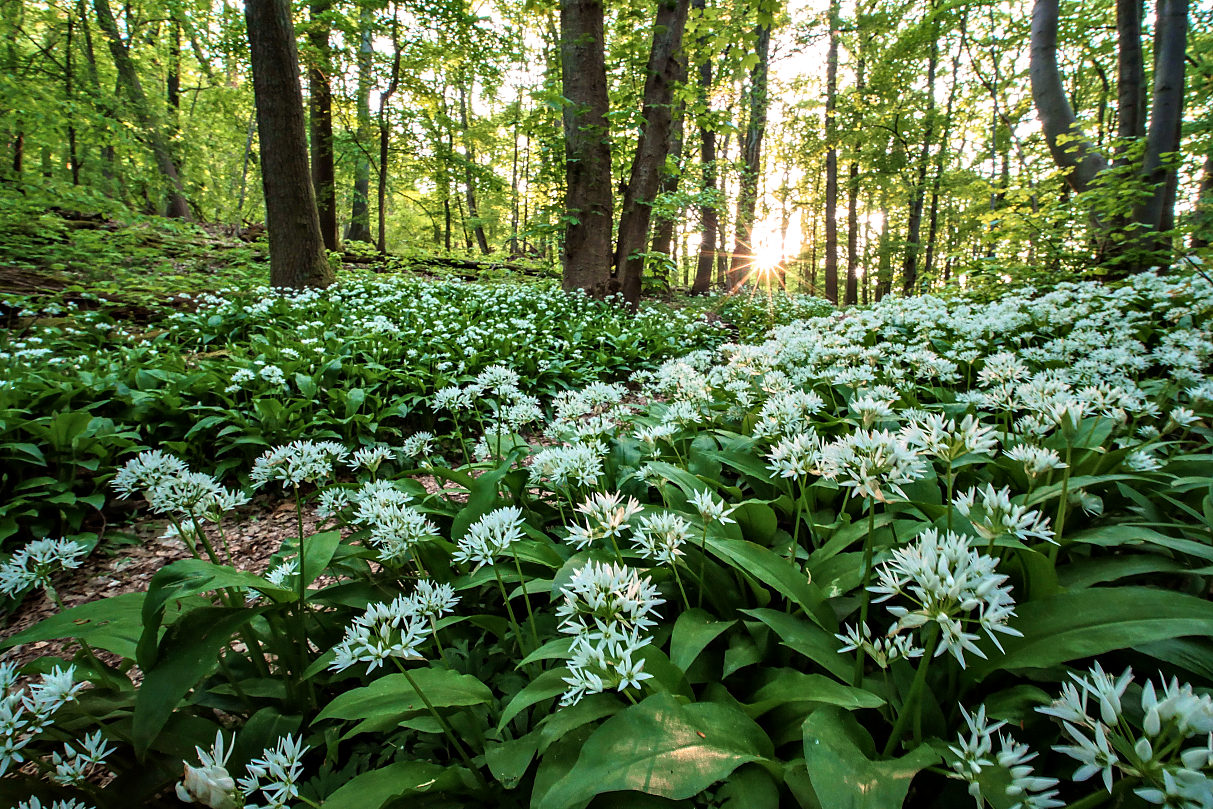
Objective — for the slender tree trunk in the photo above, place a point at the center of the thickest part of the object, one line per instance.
(664, 70)
(942, 152)
(909, 267)
(94, 88)
(360, 210)
(663, 229)
(852, 291)
(469, 174)
(128, 79)
(1202, 231)
(831, 201)
(747, 187)
(1166, 116)
(248, 154)
(589, 204)
(385, 133)
(320, 105)
(707, 159)
(1130, 74)
(514, 178)
(297, 255)
(69, 93)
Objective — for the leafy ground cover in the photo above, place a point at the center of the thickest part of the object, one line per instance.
(900, 555)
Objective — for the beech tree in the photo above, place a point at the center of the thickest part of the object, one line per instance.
(297, 252)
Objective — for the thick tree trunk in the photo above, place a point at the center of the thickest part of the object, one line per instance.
(320, 106)
(1070, 149)
(1166, 116)
(297, 255)
(747, 187)
(360, 210)
(664, 70)
(128, 78)
(831, 213)
(1130, 73)
(589, 205)
(469, 174)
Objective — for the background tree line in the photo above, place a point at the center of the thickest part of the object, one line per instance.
(878, 146)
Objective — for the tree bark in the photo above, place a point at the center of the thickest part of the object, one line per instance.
(360, 210)
(852, 291)
(831, 212)
(663, 230)
(707, 158)
(385, 134)
(1166, 117)
(128, 78)
(1070, 149)
(664, 70)
(320, 106)
(909, 267)
(469, 174)
(747, 187)
(297, 254)
(1130, 73)
(589, 204)
(1202, 231)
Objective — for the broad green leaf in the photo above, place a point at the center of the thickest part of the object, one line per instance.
(785, 686)
(1090, 622)
(772, 570)
(393, 695)
(836, 753)
(693, 631)
(113, 624)
(661, 747)
(548, 685)
(373, 789)
(508, 761)
(809, 640)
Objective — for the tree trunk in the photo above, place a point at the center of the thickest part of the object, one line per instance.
(852, 291)
(941, 153)
(320, 106)
(297, 255)
(469, 174)
(385, 133)
(1130, 73)
(663, 230)
(1166, 116)
(589, 205)
(707, 159)
(1202, 230)
(909, 265)
(747, 187)
(831, 213)
(1069, 147)
(360, 210)
(664, 70)
(128, 79)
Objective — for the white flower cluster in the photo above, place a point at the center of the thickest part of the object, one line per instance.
(490, 536)
(1170, 747)
(25, 714)
(871, 463)
(951, 586)
(74, 766)
(395, 527)
(171, 488)
(578, 464)
(395, 629)
(297, 462)
(33, 564)
(607, 516)
(993, 515)
(608, 610)
(1008, 771)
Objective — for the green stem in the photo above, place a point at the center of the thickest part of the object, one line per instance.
(678, 580)
(526, 599)
(703, 560)
(951, 491)
(446, 728)
(1062, 505)
(912, 699)
(302, 566)
(509, 611)
(868, 551)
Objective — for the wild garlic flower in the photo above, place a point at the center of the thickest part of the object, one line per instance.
(332, 502)
(649, 435)
(23, 715)
(710, 509)
(1182, 417)
(33, 565)
(604, 660)
(395, 528)
(297, 462)
(187, 492)
(604, 593)
(490, 536)
(796, 456)
(870, 410)
(1170, 748)
(145, 470)
(34, 803)
(948, 440)
(454, 399)
(209, 783)
(660, 537)
(370, 458)
(607, 517)
(577, 464)
(1008, 770)
(417, 446)
(1036, 460)
(1142, 460)
(883, 650)
(993, 515)
(395, 629)
(275, 775)
(787, 414)
(74, 765)
(950, 585)
(871, 463)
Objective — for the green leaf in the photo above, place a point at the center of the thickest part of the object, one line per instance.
(394, 696)
(836, 753)
(772, 570)
(189, 652)
(693, 631)
(1090, 622)
(786, 686)
(661, 747)
(508, 761)
(809, 640)
(113, 624)
(373, 789)
(547, 685)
